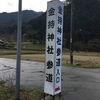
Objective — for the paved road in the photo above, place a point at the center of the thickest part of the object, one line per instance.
(77, 83)
(80, 84)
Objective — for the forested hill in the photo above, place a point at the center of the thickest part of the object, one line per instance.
(27, 15)
(86, 34)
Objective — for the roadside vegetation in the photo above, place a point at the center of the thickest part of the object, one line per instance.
(36, 52)
(8, 92)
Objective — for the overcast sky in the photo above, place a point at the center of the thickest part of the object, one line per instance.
(12, 5)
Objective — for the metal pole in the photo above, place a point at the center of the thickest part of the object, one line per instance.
(53, 97)
(59, 95)
(17, 89)
(71, 32)
(44, 96)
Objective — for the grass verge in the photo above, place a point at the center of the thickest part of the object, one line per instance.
(82, 66)
(79, 61)
(8, 93)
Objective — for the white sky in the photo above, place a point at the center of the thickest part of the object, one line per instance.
(12, 5)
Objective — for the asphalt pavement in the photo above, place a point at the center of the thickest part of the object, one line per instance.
(77, 83)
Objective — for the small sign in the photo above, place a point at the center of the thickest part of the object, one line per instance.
(53, 60)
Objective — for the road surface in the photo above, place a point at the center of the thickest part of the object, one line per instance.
(77, 83)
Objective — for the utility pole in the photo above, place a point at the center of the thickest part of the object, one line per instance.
(19, 27)
(71, 33)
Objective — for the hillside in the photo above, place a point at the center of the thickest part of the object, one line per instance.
(86, 34)
(27, 15)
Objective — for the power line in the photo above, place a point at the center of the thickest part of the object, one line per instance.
(37, 3)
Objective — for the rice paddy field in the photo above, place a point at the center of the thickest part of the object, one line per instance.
(37, 53)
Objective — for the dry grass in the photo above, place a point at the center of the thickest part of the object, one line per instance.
(87, 60)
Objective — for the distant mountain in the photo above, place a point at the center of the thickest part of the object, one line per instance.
(27, 15)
